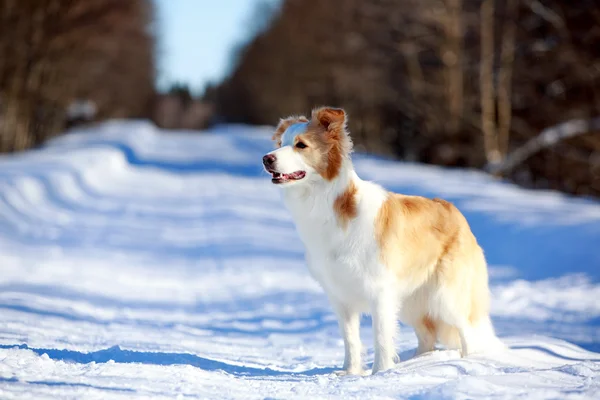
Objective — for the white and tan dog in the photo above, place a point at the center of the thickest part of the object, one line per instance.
(395, 256)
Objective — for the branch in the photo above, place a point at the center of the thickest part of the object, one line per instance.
(547, 14)
(547, 138)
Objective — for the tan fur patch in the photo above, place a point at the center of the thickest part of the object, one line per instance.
(345, 205)
(330, 118)
(410, 205)
(423, 240)
(421, 226)
(334, 160)
(447, 205)
(335, 141)
(429, 325)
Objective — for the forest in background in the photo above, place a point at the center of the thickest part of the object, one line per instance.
(68, 60)
(509, 86)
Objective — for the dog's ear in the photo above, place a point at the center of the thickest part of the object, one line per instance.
(335, 137)
(284, 123)
(330, 118)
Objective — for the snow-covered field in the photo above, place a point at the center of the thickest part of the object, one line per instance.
(136, 263)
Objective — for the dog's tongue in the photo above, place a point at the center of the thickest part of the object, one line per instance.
(295, 175)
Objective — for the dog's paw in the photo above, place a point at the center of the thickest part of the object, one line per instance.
(464, 353)
(383, 368)
(345, 372)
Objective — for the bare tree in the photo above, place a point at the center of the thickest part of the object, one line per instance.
(453, 60)
(55, 52)
(486, 83)
(507, 57)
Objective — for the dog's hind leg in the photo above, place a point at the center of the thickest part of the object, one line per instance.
(426, 334)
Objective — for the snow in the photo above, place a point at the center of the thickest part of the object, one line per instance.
(145, 264)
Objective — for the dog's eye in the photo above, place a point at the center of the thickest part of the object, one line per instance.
(301, 145)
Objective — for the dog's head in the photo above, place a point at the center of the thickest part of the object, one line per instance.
(309, 150)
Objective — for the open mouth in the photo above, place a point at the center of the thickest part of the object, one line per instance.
(284, 178)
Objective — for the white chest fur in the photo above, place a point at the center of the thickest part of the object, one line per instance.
(343, 258)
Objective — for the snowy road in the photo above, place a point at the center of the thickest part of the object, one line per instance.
(137, 264)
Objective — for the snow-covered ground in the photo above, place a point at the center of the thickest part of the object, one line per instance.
(136, 263)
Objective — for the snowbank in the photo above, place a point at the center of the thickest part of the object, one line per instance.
(141, 263)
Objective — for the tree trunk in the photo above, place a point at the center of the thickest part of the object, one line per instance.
(507, 57)
(15, 133)
(486, 83)
(453, 60)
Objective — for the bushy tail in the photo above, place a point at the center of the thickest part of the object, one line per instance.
(480, 334)
(482, 338)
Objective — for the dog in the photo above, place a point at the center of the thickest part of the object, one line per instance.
(394, 256)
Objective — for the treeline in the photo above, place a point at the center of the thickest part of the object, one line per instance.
(61, 59)
(469, 83)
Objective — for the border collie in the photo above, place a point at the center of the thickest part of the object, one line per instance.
(396, 257)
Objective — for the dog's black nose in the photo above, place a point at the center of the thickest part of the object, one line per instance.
(269, 160)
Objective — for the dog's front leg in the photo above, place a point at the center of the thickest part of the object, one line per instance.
(349, 322)
(384, 311)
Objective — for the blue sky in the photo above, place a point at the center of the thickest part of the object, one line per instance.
(196, 38)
